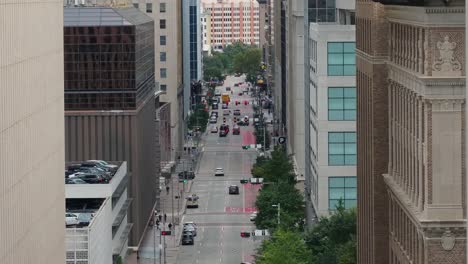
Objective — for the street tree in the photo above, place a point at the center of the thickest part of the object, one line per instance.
(285, 247)
(333, 239)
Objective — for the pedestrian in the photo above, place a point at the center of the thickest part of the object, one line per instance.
(157, 224)
(159, 218)
(165, 217)
(170, 226)
(167, 189)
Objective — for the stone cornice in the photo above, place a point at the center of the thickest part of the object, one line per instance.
(444, 10)
(428, 87)
(427, 16)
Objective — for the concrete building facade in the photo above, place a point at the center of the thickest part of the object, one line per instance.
(31, 133)
(167, 16)
(233, 21)
(105, 238)
(331, 114)
(411, 132)
(111, 114)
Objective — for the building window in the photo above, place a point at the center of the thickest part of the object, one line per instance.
(163, 87)
(162, 56)
(341, 188)
(342, 103)
(341, 58)
(135, 5)
(162, 7)
(149, 8)
(341, 148)
(162, 40)
(162, 23)
(163, 73)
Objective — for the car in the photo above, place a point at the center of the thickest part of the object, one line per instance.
(236, 130)
(233, 189)
(71, 219)
(226, 112)
(237, 112)
(253, 216)
(256, 121)
(219, 172)
(187, 240)
(217, 93)
(223, 130)
(241, 93)
(75, 181)
(228, 88)
(214, 113)
(213, 120)
(98, 166)
(223, 133)
(246, 118)
(243, 123)
(104, 163)
(90, 178)
(236, 85)
(190, 223)
(214, 105)
(224, 106)
(188, 175)
(190, 229)
(85, 218)
(214, 129)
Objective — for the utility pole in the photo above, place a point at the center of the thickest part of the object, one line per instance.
(172, 194)
(278, 215)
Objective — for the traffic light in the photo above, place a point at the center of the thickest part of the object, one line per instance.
(166, 233)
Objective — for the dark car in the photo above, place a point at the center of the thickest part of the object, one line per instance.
(237, 112)
(92, 178)
(214, 105)
(228, 89)
(242, 123)
(187, 240)
(186, 175)
(236, 130)
(233, 189)
(223, 130)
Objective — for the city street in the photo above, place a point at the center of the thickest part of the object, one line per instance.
(220, 216)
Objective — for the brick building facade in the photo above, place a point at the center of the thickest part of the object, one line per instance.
(411, 115)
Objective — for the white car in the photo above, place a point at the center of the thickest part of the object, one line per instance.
(219, 172)
(71, 219)
(104, 163)
(214, 129)
(253, 216)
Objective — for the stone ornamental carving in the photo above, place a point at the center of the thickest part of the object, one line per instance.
(446, 64)
(448, 241)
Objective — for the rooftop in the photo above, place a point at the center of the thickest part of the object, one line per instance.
(103, 16)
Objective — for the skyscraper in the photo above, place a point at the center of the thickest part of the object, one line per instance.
(32, 191)
(410, 131)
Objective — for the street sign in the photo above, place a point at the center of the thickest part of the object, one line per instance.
(282, 140)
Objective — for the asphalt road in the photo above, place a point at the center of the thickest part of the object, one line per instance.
(220, 216)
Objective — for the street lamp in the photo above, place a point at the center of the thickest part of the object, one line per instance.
(279, 212)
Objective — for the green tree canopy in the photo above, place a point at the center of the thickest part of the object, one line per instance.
(333, 239)
(286, 247)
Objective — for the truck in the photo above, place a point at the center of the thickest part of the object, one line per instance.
(225, 98)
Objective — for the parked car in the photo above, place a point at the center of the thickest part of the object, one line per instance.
(71, 219)
(104, 163)
(219, 172)
(213, 120)
(214, 129)
(214, 105)
(187, 175)
(243, 123)
(237, 112)
(224, 106)
(85, 218)
(226, 112)
(217, 93)
(233, 189)
(214, 113)
(75, 181)
(91, 178)
(228, 88)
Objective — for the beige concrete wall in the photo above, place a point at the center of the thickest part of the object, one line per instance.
(32, 228)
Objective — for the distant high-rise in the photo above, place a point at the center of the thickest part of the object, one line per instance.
(232, 21)
(192, 49)
(32, 190)
(411, 131)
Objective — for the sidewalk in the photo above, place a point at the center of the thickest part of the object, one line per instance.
(149, 251)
